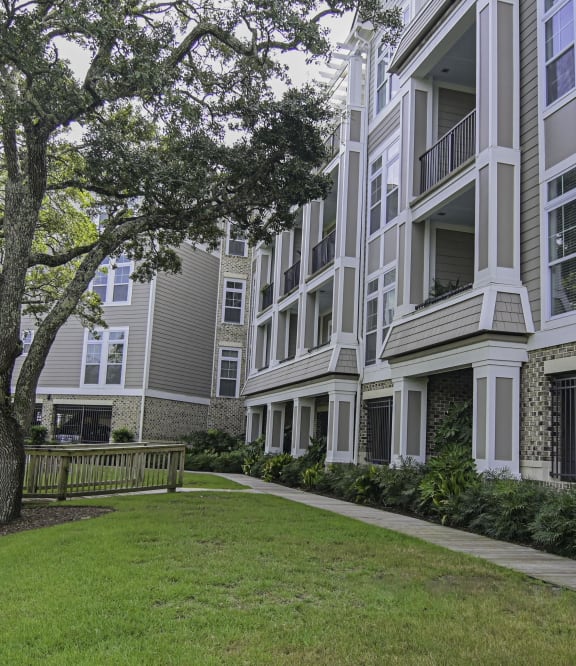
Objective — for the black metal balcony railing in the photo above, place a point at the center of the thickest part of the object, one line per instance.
(323, 253)
(332, 142)
(292, 277)
(449, 152)
(446, 295)
(267, 295)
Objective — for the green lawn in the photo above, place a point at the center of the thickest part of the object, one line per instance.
(233, 578)
(203, 480)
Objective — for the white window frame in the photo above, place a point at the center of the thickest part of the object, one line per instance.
(229, 354)
(104, 342)
(380, 167)
(27, 337)
(107, 278)
(380, 286)
(386, 85)
(230, 289)
(551, 205)
(231, 238)
(547, 16)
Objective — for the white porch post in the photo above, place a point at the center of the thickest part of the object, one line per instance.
(496, 425)
(274, 428)
(253, 423)
(341, 415)
(409, 419)
(303, 425)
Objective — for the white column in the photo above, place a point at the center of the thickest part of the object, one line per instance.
(302, 425)
(253, 423)
(496, 425)
(409, 419)
(274, 428)
(341, 419)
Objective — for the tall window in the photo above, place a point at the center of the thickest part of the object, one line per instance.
(228, 373)
(112, 281)
(562, 242)
(559, 48)
(233, 312)
(384, 179)
(27, 337)
(380, 304)
(105, 357)
(235, 244)
(386, 83)
(371, 322)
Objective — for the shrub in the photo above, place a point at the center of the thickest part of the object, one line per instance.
(456, 428)
(554, 526)
(206, 461)
(400, 485)
(122, 435)
(38, 435)
(252, 455)
(212, 441)
(448, 474)
(339, 480)
(274, 465)
(311, 476)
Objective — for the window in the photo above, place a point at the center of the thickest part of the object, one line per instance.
(386, 83)
(112, 281)
(228, 373)
(379, 430)
(236, 245)
(371, 322)
(233, 312)
(564, 428)
(561, 215)
(384, 178)
(380, 304)
(27, 337)
(105, 358)
(559, 48)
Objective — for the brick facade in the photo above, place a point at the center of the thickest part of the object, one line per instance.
(363, 429)
(444, 390)
(170, 419)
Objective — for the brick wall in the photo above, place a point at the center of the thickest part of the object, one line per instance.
(443, 390)
(170, 419)
(536, 403)
(363, 429)
(227, 414)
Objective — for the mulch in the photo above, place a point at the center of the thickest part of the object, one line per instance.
(35, 516)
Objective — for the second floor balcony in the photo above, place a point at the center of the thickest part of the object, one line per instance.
(323, 253)
(292, 277)
(452, 150)
(267, 296)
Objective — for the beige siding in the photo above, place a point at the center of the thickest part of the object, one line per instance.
(453, 105)
(183, 330)
(299, 371)
(454, 257)
(508, 314)
(389, 124)
(450, 323)
(529, 188)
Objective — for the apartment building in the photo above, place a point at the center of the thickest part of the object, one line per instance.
(441, 267)
(150, 371)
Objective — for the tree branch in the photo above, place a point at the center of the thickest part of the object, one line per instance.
(54, 260)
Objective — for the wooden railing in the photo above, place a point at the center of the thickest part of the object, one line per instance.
(65, 471)
(449, 152)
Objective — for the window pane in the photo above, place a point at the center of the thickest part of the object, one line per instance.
(93, 353)
(91, 374)
(392, 205)
(563, 286)
(559, 31)
(375, 215)
(562, 229)
(115, 353)
(232, 315)
(113, 374)
(227, 388)
(372, 314)
(560, 76)
(370, 348)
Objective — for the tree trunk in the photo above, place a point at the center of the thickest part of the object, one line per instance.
(12, 464)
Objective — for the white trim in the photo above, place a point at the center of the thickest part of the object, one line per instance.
(378, 393)
(234, 290)
(111, 390)
(103, 366)
(238, 359)
(147, 353)
(110, 276)
(302, 391)
(177, 397)
(78, 401)
(559, 365)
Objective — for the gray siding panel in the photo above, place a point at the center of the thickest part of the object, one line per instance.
(389, 124)
(454, 257)
(453, 105)
(183, 330)
(508, 314)
(529, 174)
(347, 361)
(299, 371)
(449, 323)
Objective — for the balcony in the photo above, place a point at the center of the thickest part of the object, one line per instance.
(323, 253)
(451, 151)
(267, 295)
(292, 277)
(332, 142)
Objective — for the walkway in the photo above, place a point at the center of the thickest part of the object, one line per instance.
(549, 568)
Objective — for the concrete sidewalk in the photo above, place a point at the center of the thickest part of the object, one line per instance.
(549, 568)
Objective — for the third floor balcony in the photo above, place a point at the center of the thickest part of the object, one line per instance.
(323, 253)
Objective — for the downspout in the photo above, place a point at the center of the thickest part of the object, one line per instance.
(147, 352)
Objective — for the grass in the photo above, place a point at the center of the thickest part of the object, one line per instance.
(212, 481)
(231, 578)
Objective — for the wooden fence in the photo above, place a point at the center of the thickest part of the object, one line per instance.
(66, 471)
